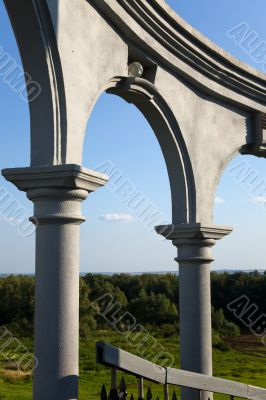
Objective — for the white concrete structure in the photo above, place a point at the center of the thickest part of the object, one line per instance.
(57, 193)
(204, 107)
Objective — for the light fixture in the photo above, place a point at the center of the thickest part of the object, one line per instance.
(135, 70)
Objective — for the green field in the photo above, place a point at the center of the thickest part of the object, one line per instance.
(246, 362)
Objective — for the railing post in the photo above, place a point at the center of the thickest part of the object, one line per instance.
(114, 378)
(113, 392)
(103, 393)
(166, 392)
(140, 388)
(123, 389)
(149, 394)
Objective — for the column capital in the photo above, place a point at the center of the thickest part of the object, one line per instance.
(56, 191)
(69, 176)
(176, 232)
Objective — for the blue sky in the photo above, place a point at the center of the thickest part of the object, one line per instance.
(112, 238)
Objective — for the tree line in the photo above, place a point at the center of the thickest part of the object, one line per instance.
(152, 299)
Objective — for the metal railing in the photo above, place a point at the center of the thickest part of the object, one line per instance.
(120, 360)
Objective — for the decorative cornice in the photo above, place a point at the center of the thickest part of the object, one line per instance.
(168, 40)
(193, 231)
(68, 176)
(258, 148)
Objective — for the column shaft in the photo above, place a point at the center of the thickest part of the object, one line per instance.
(57, 215)
(57, 193)
(195, 309)
(56, 312)
(57, 293)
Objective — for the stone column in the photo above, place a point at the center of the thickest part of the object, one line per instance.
(194, 243)
(57, 193)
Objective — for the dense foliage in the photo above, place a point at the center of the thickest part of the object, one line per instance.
(151, 299)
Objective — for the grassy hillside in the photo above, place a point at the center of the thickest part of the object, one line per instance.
(246, 362)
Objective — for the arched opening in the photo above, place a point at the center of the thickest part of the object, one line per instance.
(148, 100)
(169, 144)
(122, 216)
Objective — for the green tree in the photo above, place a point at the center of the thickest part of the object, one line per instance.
(87, 321)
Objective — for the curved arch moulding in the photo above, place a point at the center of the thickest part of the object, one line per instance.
(145, 96)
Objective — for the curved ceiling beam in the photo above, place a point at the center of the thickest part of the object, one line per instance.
(172, 43)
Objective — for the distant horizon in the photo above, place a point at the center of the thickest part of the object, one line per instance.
(229, 270)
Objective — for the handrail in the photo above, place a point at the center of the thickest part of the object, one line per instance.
(134, 365)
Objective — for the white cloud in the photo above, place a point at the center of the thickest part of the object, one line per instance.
(117, 217)
(219, 200)
(258, 200)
